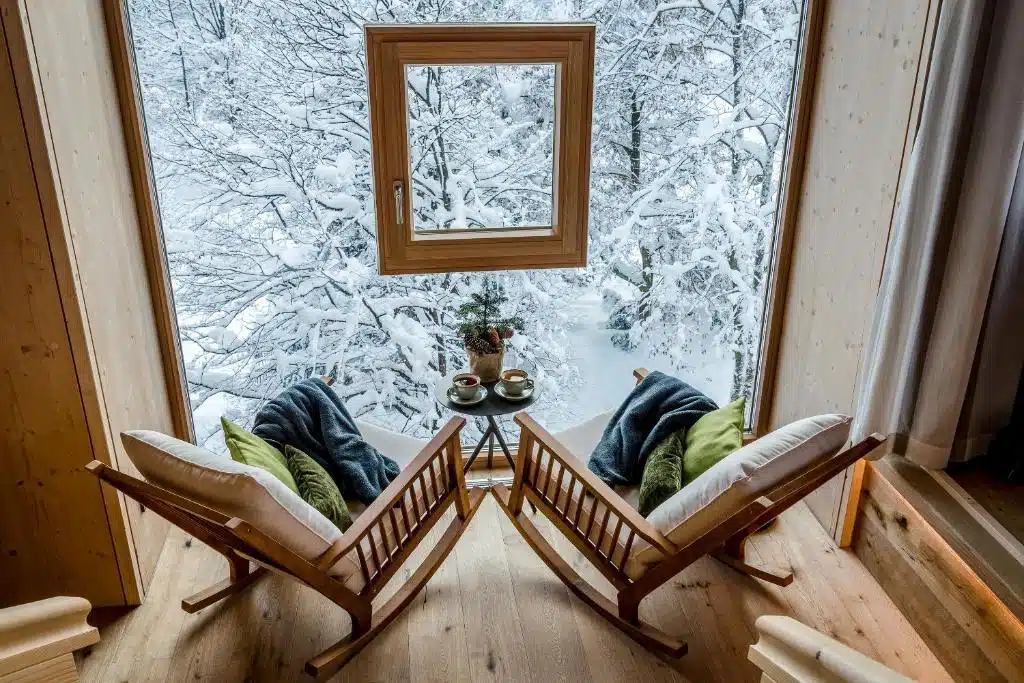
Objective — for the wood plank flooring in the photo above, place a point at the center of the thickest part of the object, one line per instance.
(494, 612)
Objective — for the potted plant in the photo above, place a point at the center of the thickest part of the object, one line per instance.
(484, 331)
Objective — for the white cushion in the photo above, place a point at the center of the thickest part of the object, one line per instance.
(399, 447)
(581, 439)
(741, 478)
(231, 488)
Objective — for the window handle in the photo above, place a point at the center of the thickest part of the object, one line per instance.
(399, 202)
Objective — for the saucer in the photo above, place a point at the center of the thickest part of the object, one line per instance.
(527, 392)
(481, 394)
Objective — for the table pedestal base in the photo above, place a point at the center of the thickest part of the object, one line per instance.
(490, 434)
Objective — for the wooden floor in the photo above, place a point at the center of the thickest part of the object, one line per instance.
(494, 612)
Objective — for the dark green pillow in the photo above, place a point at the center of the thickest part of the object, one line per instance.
(713, 437)
(663, 472)
(317, 488)
(247, 448)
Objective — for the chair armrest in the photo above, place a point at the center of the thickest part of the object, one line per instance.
(381, 509)
(43, 630)
(590, 483)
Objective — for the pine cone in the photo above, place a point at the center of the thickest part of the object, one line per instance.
(494, 338)
(478, 345)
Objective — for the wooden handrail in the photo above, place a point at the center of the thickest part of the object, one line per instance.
(384, 502)
(593, 484)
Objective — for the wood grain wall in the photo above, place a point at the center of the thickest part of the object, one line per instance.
(76, 161)
(77, 82)
(54, 535)
(863, 109)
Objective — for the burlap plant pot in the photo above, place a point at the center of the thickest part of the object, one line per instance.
(486, 366)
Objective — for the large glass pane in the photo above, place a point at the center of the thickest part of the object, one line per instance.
(481, 145)
(257, 120)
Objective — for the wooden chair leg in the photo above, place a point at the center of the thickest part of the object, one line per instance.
(733, 554)
(646, 635)
(779, 579)
(336, 656)
(241, 575)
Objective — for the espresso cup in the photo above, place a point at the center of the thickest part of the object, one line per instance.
(514, 381)
(466, 385)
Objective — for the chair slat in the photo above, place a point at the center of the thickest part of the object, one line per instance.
(405, 514)
(627, 548)
(428, 501)
(579, 508)
(614, 538)
(547, 475)
(399, 539)
(573, 481)
(415, 502)
(373, 549)
(536, 464)
(433, 478)
(590, 522)
(603, 529)
(362, 562)
(558, 487)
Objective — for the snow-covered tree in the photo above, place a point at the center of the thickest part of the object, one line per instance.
(257, 116)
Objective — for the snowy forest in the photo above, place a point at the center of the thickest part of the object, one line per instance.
(257, 117)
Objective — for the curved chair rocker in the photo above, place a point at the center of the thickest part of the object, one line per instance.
(713, 515)
(258, 524)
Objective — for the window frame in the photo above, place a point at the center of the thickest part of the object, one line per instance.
(390, 48)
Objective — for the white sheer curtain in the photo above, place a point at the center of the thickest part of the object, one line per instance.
(918, 369)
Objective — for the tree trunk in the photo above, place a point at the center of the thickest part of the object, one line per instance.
(646, 257)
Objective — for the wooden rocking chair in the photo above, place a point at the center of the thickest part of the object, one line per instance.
(638, 555)
(259, 526)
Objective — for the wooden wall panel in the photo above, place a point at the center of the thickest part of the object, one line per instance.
(54, 535)
(863, 105)
(76, 81)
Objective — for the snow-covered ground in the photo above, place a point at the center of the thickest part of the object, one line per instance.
(606, 372)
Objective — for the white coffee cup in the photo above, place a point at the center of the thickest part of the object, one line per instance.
(466, 385)
(514, 381)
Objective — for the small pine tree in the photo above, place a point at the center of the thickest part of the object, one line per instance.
(483, 329)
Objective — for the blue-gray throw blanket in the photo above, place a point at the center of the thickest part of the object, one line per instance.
(311, 417)
(657, 407)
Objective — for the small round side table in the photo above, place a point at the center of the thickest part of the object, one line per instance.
(492, 406)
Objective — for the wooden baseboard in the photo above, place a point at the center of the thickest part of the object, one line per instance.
(967, 626)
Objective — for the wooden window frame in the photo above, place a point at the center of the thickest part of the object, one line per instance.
(401, 249)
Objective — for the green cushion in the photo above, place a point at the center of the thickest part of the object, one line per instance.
(246, 447)
(663, 473)
(713, 437)
(317, 488)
